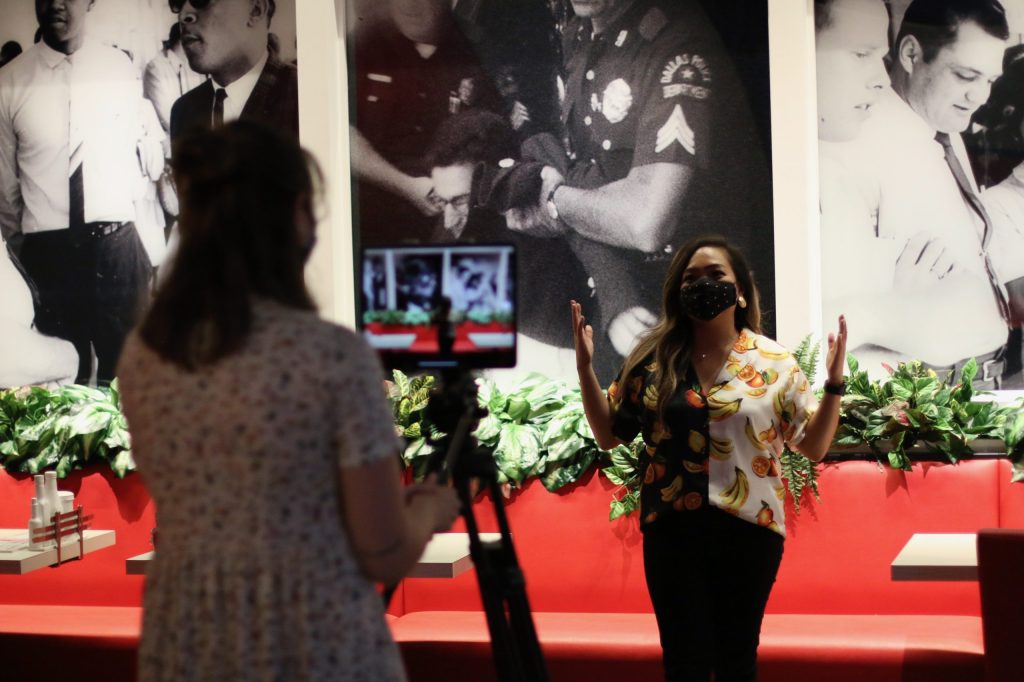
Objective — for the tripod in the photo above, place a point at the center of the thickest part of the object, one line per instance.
(514, 645)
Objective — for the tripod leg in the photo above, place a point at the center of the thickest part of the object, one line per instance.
(520, 617)
(507, 661)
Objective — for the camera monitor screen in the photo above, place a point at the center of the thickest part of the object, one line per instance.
(444, 306)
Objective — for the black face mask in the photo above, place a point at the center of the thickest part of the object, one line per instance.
(706, 299)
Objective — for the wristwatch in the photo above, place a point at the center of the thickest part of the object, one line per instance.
(835, 389)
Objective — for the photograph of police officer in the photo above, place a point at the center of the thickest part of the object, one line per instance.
(85, 119)
(922, 227)
(640, 123)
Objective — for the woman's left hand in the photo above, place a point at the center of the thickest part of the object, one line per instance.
(835, 361)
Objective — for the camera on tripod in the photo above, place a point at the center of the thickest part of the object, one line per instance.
(452, 309)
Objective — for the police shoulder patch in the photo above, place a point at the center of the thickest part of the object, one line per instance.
(652, 24)
(687, 75)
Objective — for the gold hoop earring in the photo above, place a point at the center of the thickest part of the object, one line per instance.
(742, 301)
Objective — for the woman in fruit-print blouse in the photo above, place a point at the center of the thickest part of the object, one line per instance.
(715, 402)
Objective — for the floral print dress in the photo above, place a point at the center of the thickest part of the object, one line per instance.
(720, 448)
(254, 576)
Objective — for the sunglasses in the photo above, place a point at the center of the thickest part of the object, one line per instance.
(178, 5)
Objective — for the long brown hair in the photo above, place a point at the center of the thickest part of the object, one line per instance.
(238, 187)
(670, 340)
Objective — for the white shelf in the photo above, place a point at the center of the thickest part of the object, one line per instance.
(446, 556)
(23, 560)
(136, 565)
(937, 556)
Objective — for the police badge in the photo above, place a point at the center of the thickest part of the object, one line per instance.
(617, 100)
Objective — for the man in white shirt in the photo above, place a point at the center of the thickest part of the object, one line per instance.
(71, 142)
(227, 41)
(913, 273)
(166, 78)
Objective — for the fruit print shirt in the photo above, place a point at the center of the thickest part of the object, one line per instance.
(721, 448)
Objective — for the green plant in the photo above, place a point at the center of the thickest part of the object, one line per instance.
(409, 398)
(416, 318)
(801, 473)
(480, 316)
(536, 429)
(624, 472)
(1013, 437)
(65, 429)
(384, 317)
(914, 405)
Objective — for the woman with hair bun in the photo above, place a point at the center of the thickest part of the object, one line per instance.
(265, 439)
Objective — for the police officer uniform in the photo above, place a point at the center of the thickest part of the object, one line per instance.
(400, 100)
(658, 87)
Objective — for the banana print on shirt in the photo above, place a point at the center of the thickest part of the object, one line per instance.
(721, 448)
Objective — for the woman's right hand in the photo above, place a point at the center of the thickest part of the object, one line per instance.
(583, 337)
(440, 501)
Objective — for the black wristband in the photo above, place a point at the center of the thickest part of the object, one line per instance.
(835, 389)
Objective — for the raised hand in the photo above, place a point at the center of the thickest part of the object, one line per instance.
(583, 337)
(925, 259)
(835, 360)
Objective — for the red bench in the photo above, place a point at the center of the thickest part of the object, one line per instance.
(451, 645)
(835, 613)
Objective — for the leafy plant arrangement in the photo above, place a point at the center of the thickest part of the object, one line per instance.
(417, 318)
(479, 316)
(801, 473)
(384, 317)
(1013, 437)
(624, 472)
(65, 429)
(409, 398)
(538, 429)
(914, 405)
(488, 316)
(411, 318)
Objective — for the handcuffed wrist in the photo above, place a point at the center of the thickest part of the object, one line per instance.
(550, 203)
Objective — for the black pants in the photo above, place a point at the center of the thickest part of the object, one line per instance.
(91, 289)
(709, 575)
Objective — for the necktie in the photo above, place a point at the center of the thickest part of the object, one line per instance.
(76, 211)
(975, 203)
(76, 184)
(219, 95)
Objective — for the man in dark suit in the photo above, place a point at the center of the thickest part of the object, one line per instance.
(228, 40)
